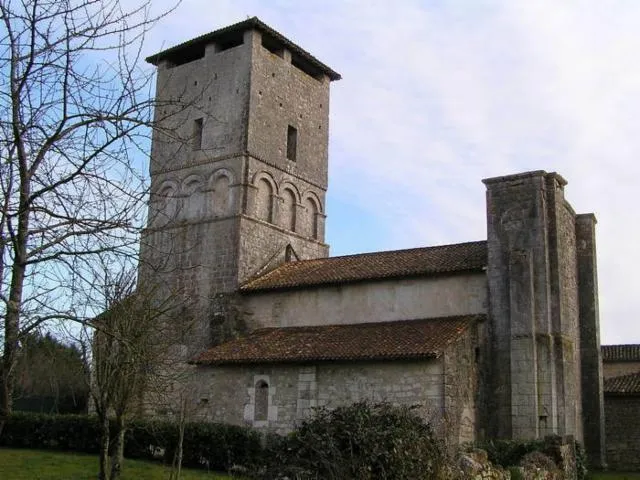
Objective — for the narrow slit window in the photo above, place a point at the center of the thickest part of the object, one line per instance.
(197, 134)
(292, 143)
(262, 401)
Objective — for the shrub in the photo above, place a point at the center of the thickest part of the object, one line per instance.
(206, 445)
(361, 441)
(508, 453)
(581, 462)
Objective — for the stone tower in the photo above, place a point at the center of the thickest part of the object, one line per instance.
(545, 374)
(238, 170)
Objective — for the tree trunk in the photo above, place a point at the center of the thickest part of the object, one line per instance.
(104, 447)
(176, 467)
(117, 454)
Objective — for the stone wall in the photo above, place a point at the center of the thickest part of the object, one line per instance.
(377, 301)
(461, 388)
(617, 369)
(532, 277)
(230, 392)
(622, 419)
(444, 390)
(590, 351)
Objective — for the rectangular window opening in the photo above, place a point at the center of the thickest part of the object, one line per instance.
(230, 42)
(292, 143)
(305, 66)
(273, 46)
(186, 55)
(197, 134)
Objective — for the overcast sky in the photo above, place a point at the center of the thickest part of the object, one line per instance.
(436, 96)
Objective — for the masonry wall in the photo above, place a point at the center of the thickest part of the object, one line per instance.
(622, 420)
(373, 301)
(227, 202)
(295, 389)
(535, 379)
(462, 387)
(617, 369)
(590, 351)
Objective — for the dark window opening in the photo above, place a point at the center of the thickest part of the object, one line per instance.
(186, 55)
(292, 143)
(273, 46)
(229, 43)
(261, 412)
(197, 134)
(307, 67)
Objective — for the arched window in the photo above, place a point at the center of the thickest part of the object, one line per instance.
(264, 201)
(193, 203)
(288, 214)
(261, 411)
(311, 218)
(167, 210)
(221, 196)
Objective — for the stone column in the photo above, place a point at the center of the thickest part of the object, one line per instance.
(591, 360)
(521, 399)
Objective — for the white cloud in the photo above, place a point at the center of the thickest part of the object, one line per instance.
(438, 95)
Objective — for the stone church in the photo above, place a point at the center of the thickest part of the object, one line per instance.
(497, 338)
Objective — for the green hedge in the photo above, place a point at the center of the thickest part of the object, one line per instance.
(206, 445)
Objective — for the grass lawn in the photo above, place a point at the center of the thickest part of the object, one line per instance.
(49, 465)
(615, 476)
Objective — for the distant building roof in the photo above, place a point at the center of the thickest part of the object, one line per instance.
(406, 339)
(223, 33)
(460, 257)
(623, 385)
(621, 353)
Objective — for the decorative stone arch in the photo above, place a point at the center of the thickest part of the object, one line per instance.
(266, 190)
(165, 203)
(290, 202)
(193, 207)
(222, 194)
(312, 216)
(192, 183)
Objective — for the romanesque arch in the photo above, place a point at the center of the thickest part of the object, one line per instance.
(265, 190)
(165, 203)
(311, 216)
(221, 182)
(194, 198)
(290, 198)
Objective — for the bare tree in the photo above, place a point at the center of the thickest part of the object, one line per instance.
(75, 118)
(135, 362)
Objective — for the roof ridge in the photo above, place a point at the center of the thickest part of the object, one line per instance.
(384, 341)
(451, 318)
(253, 22)
(386, 264)
(380, 252)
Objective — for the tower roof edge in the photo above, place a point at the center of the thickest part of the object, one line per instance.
(248, 24)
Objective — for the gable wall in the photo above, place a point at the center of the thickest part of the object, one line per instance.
(374, 301)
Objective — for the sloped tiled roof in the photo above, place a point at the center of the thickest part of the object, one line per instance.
(368, 266)
(623, 385)
(405, 339)
(621, 353)
(255, 23)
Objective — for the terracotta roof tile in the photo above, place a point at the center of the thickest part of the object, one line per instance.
(368, 266)
(621, 353)
(623, 385)
(403, 339)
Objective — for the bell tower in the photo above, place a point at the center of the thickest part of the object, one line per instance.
(238, 170)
